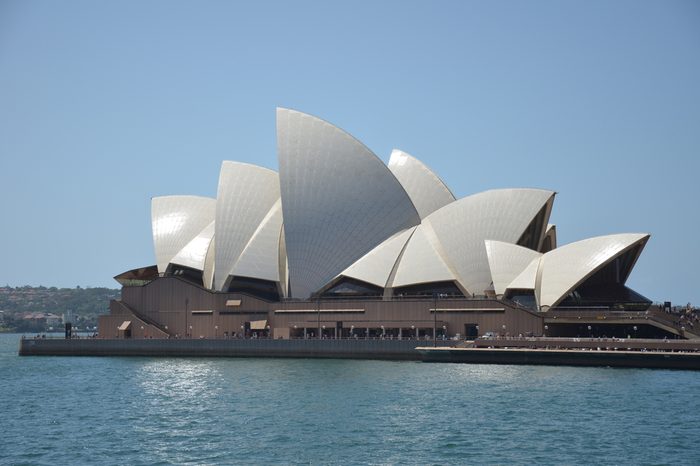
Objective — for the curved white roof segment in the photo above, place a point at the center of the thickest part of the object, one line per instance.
(376, 266)
(424, 187)
(549, 240)
(208, 273)
(462, 227)
(527, 279)
(260, 258)
(283, 267)
(245, 196)
(175, 221)
(565, 268)
(421, 262)
(194, 254)
(507, 261)
(339, 200)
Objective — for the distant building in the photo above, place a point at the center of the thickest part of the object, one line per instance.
(341, 244)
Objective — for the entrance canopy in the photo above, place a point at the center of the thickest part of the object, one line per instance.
(258, 325)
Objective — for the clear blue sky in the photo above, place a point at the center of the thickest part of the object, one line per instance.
(104, 105)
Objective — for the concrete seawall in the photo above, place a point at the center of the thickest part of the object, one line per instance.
(362, 349)
(568, 357)
(358, 349)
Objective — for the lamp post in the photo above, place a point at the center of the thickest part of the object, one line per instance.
(504, 330)
(546, 327)
(242, 330)
(318, 313)
(413, 327)
(190, 331)
(216, 331)
(635, 331)
(434, 319)
(590, 334)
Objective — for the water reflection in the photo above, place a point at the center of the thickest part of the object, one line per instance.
(180, 378)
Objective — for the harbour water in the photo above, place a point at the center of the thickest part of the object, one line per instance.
(63, 410)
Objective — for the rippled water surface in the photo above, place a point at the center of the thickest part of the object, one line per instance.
(59, 410)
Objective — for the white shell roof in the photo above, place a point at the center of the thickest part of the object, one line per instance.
(282, 263)
(376, 266)
(506, 262)
(425, 188)
(245, 196)
(208, 275)
(175, 221)
(462, 227)
(564, 268)
(421, 261)
(551, 233)
(339, 200)
(527, 279)
(260, 258)
(194, 254)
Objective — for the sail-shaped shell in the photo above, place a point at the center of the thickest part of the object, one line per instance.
(462, 226)
(527, 279)
(506, 262)
(421, 262)
(563, 269)
(194, 254)
(424, 187)
(177, 220)
(549, 240)
(376, 266)
(245, 196)
(339, 201)
(260, 258)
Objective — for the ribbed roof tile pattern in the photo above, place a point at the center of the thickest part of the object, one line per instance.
(175, 221)
(424, 187)
(245, 196)
(339, 200)
(527, 279)
(564, 268)
(462, 227)
(376, 266)
(208, 274)
(421, 262)
(507, 261)
(260, 258)
(194, 254)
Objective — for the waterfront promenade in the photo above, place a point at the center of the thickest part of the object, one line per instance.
(680, 354)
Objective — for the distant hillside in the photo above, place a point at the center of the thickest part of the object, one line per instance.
(35, 309)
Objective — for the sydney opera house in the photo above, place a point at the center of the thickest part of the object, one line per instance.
(338, 244)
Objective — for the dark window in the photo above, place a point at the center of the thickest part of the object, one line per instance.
(263, 289)
(445, 289)
(351, 288)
